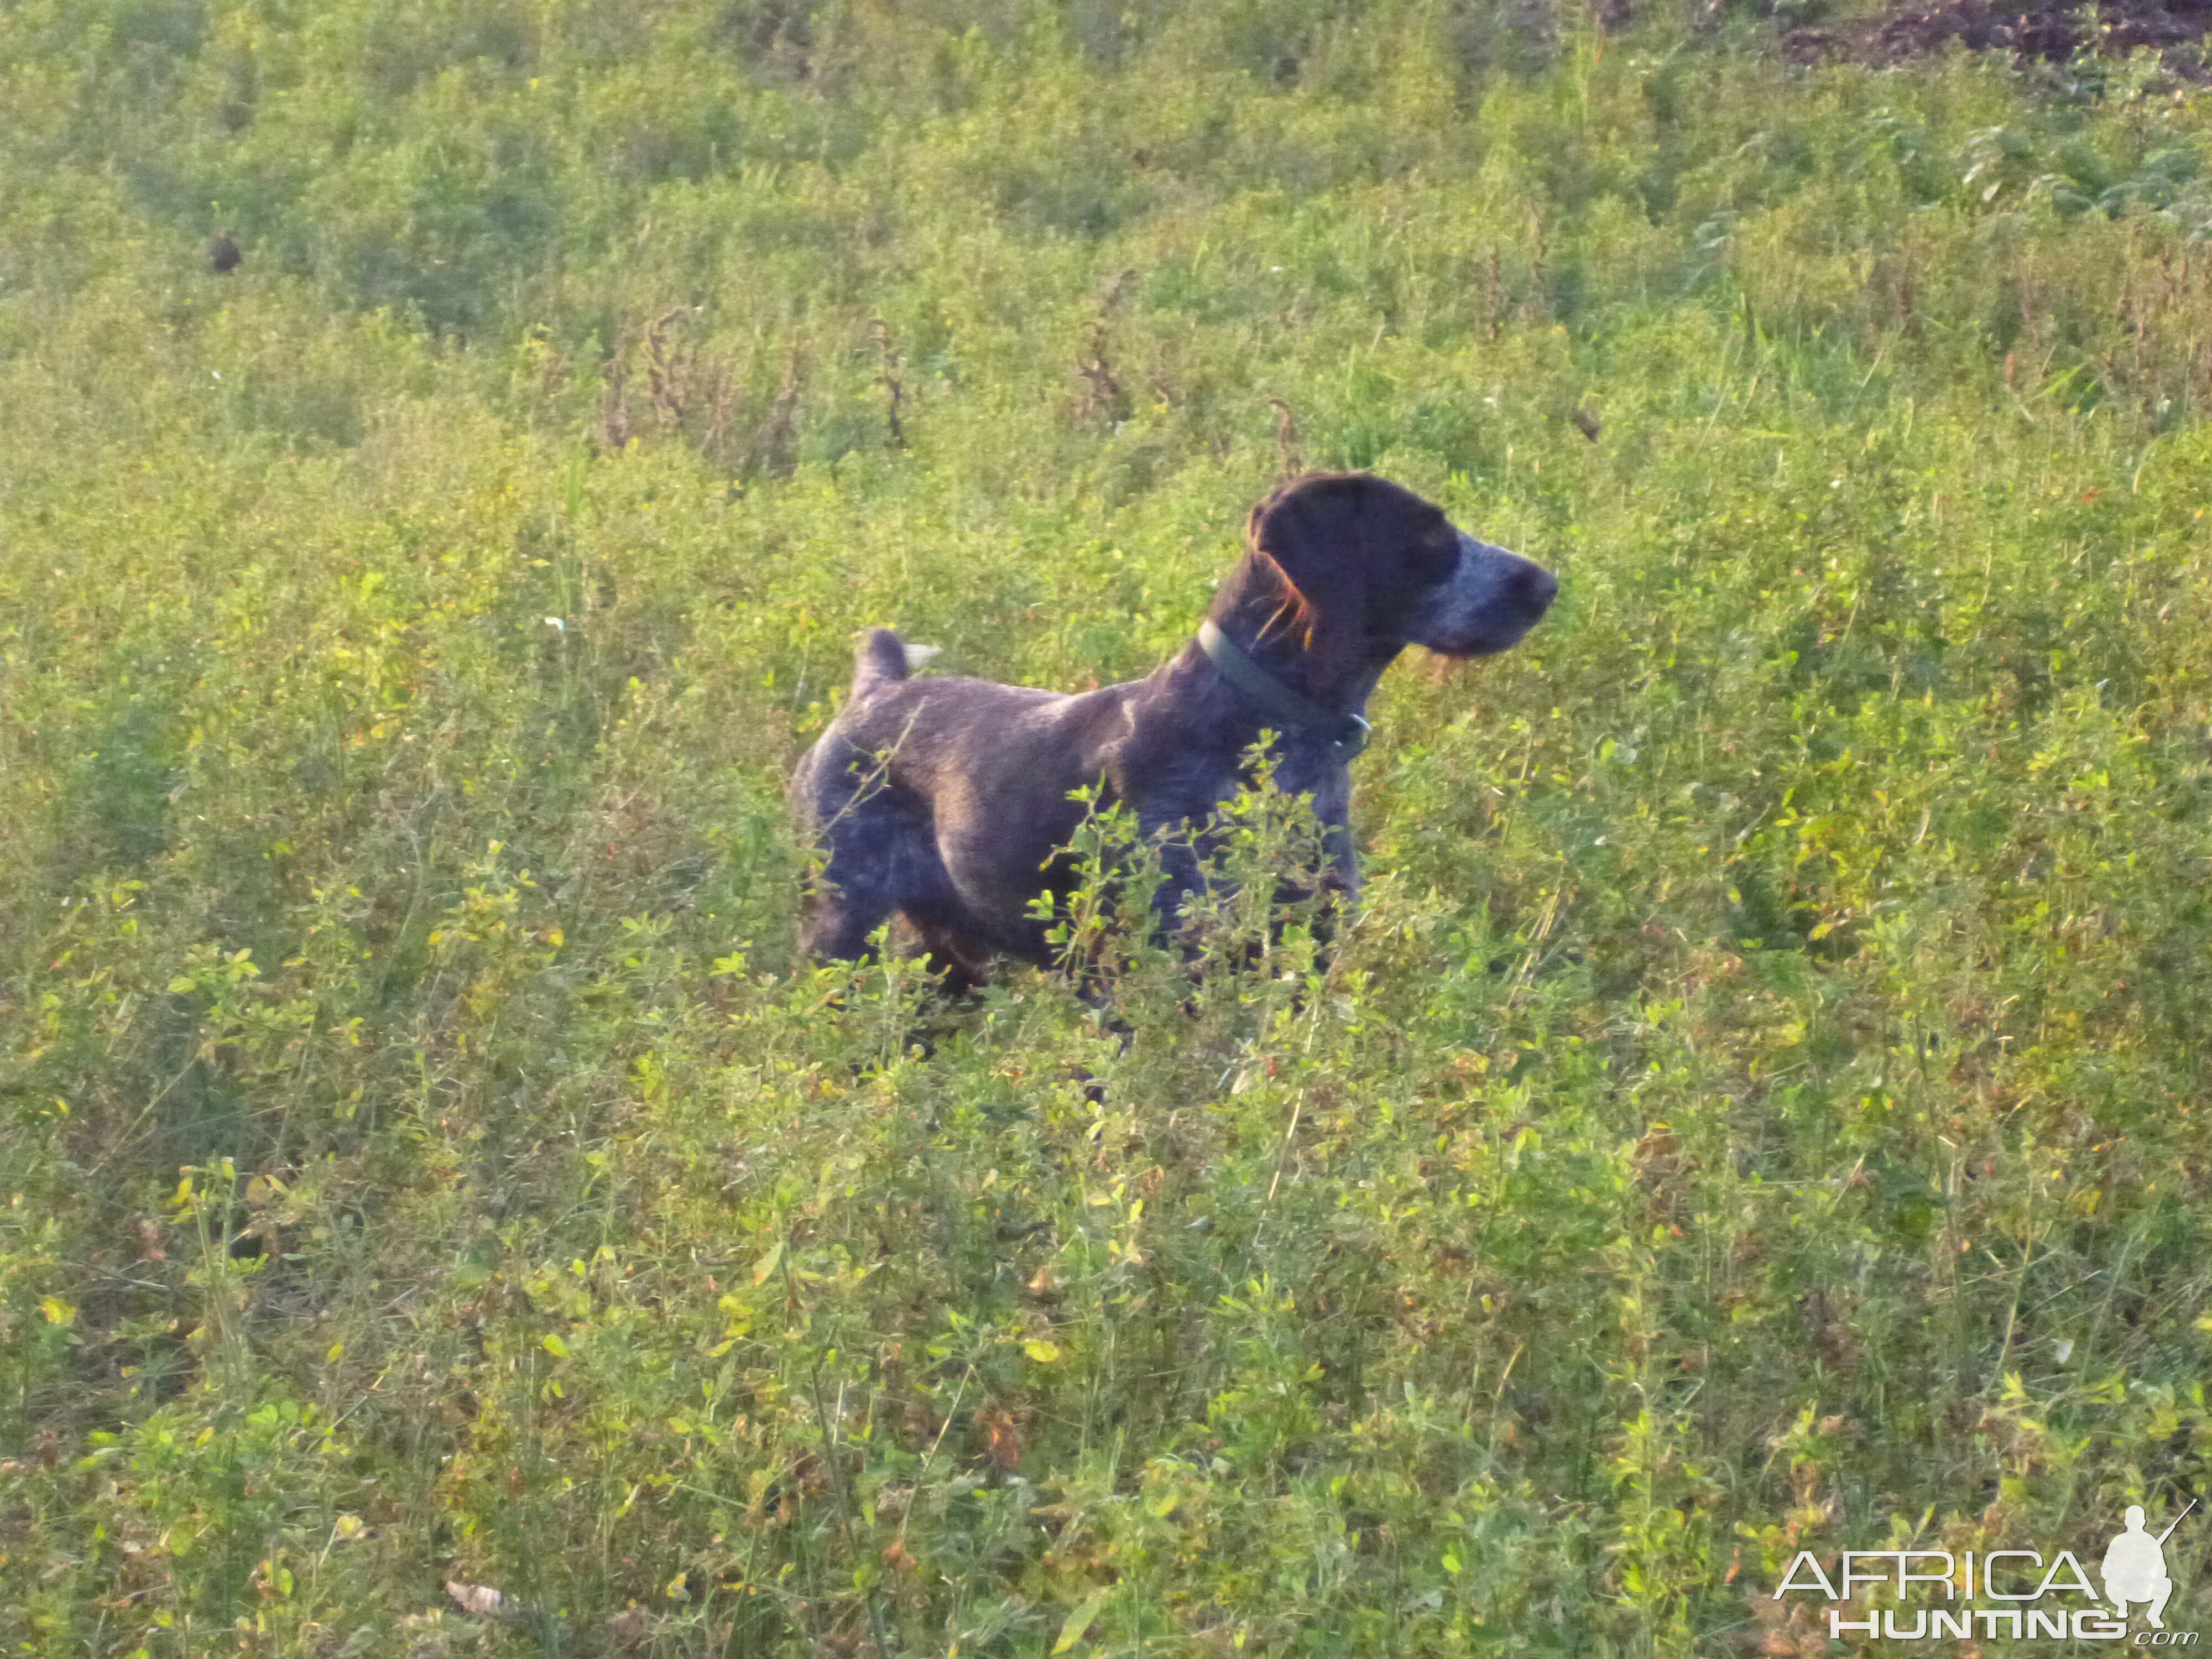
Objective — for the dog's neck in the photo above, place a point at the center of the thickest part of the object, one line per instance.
(1318, 657)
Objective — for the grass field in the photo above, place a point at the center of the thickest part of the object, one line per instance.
(1760, 1105)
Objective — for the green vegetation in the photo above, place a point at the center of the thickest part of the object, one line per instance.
(1758, 1107)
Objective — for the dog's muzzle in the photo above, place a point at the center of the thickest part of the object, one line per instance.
(1487, 604)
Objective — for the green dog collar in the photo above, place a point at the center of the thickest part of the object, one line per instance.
(1348, 732)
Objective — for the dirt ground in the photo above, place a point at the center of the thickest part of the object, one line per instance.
(2053, 31)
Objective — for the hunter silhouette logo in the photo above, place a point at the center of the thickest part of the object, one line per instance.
(2135, 1566)
(1999, 1593)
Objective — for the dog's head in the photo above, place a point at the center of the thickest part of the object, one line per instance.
(1371, 568)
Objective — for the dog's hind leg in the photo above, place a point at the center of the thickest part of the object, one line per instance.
(932, 904)
(843, 908)
(947, 948)
(863, 830)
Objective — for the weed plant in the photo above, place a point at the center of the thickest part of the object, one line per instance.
(1754, 1106)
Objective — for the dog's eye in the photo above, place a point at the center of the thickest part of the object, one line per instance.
(1437, 554)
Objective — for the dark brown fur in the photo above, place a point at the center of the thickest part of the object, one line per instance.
(943, 799)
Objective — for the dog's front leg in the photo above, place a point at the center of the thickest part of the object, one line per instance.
(1183, 871)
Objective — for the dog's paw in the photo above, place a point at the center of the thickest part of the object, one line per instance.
(916, 655)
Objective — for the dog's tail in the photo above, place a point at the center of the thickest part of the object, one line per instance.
(883, 658)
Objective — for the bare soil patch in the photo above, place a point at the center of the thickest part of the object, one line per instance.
(2050, 32)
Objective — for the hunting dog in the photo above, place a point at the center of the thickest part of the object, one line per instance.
(945, 800)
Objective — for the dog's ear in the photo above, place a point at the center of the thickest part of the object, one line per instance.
(1348, 545)
(1306, 530)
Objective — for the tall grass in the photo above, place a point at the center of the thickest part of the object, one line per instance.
(1756, 1107)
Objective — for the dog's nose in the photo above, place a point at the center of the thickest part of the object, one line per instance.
(1533, 587)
